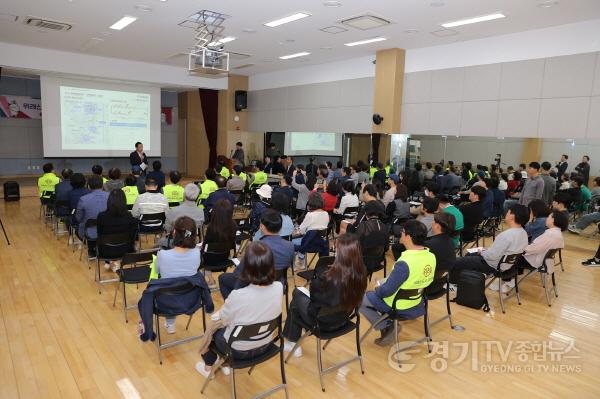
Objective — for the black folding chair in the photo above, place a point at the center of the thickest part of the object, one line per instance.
(323, 262)
(161, 295)
(89, 224)
(135, 269)
(544, 271)
(110, 248)
(321, 235)
(61, 213)
(216, 257)
(440, 287)
(506, 269)
(395, 316)
(352, 324)
(249, 333)
(151, 224)
(244, 234)
(47, 205)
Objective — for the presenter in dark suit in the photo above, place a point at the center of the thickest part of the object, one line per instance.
(138, 159)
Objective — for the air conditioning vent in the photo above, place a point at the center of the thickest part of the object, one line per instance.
(41, 23)
(365, 22)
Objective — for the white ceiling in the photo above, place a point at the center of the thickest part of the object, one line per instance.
(155, 37)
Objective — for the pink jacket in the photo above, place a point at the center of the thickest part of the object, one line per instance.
(535, 252)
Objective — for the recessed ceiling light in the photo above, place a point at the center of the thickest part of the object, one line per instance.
(123, 22)
(375, 39)
(163, 1)
(296, 55)
(288, 19)
(249, 30)
(332, 3)
(334, 29)
(142, 7)
(474, 20)
(437, 4)
(548, 3)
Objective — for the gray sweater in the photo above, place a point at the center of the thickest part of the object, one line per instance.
(509, 242)
(533, 189)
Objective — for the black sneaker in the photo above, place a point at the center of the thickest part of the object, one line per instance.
(591, 262)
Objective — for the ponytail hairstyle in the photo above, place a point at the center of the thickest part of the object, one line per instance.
(185, 232)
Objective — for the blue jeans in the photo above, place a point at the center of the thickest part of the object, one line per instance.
(588, 219)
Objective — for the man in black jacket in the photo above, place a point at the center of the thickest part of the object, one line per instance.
(562, 165)
(138, 159)
(472, 212)
(583, 169)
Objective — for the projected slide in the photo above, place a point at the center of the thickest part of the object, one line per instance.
(313, 143)
(94, 119)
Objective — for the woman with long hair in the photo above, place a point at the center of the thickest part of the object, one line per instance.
(340, 285)
(221, 229)
(116, 219)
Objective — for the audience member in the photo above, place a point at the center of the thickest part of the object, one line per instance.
(284, 187)
(62, 189)
(369, 193)
(549, 183)
(390, 194)
(349, 199)
(131, 191)
(538, 212)
(220, 193)
(260, 301)
(399, 208)
(88, 207)
(280, 204)
(97, 170)
(472, 212)
(330, 196)
(157, 174)
(151, 202)
(208, 185)
(415, 269)
(48, 181)
(236, 183)
(260, 177)
(174, 191)
(264, 194)
(583, 168)
(221, 230)
(315, 219)
(187, 208)
(303, 190)
(441, 244)
(79, 189)
(430, 207)
(459, 221)
(338, 288)
(115, 182)
(561, 202)
(562, 165)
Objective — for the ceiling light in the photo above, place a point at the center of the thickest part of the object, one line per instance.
(376, 39)
(142, 7)
(122, 23)
(290, 56)
(333, 29)
(548, 3)
(163, 1)
(474, 20)
(332, 3)
(285, 20)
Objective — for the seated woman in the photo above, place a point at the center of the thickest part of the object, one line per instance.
(369, 194)
(538, 212)
(399, 208)
(349, 199)
(339, 286)
(221, 229)
(260, 301)
(315, 219)
(330, 196)
(181, 261)
(115, 181)
(264, 193)
(281, 204)
(116, 219)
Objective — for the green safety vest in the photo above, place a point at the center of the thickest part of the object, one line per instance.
(225, 172)
(104, 179)
(131, 194)
(471, 174)
(207, 187)
(260, 178)
(372, 171)
(243, 176)
(46, 184)
(387, 171)
(173, 192)
(421, 271)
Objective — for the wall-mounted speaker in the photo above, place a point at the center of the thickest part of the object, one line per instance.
(241, 98)
(377, 119)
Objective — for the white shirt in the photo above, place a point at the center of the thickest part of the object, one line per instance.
(315, 220)
(502, 185)
(149, 203)
(389, 196)
(349, 200)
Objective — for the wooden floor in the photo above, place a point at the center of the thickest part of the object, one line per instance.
(60, 339)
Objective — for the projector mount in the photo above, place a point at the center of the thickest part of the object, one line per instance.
(207, 55)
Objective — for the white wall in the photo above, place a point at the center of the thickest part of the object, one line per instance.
(576, 38)
(84, 65)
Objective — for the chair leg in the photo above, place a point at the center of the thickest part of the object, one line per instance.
(320, 364)
(115, 297)
(188, 323)
(546, 289)
(500, 295)
(560, 259)
(448, 309)
(517, 289)
(554, 285)
(358, 349)
(232, 379)
(158, 340)
(125, 302)
(426, 327)
(396, 343)
(382, 318)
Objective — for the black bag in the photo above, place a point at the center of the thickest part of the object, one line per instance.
(471, 290)
(11, 191)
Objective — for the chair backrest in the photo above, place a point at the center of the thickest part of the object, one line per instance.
(216, 252)
(509, 260)
(351, 211)
(90, 223)
(135, 258)
(173, 204)
(113, 245)
(549, 256)
(152, 220)
(255, 332)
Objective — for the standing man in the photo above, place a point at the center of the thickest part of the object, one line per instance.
(562, 165)
(138, 159)
(583, 169)
(238, 154)
(272, 151)
(534, 185)
(549, 183)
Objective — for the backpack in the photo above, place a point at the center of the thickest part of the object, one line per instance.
(471, 290)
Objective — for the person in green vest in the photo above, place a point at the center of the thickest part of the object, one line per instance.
(447, 207)
(47, 181)
(131, 191)
(388, 167)
(97, 170)
(413, 272)
(173, 191)
(260, 177)
(223, 171)
(372, 170)
(207, 186)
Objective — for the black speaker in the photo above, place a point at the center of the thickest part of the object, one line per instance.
(11, 191)
(377, 119)
(241, 98)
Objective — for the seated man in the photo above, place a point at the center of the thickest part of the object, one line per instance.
(459, 222)
(430, 207)
(89, 206)
(78, 191)
(260, 177)
(173, 191)
(63, 188)
(552, 238)
(561, 202)
(369, 194)
(283, 252)
(207, 186)
(151, 202)
(47, 181)
(131, 190)
(220, 193)
(186, 208)
(511, 241)
(472, 212)
(157, 174)
(414, 270)
(236, 183)
(97, 170)
(285, 187)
